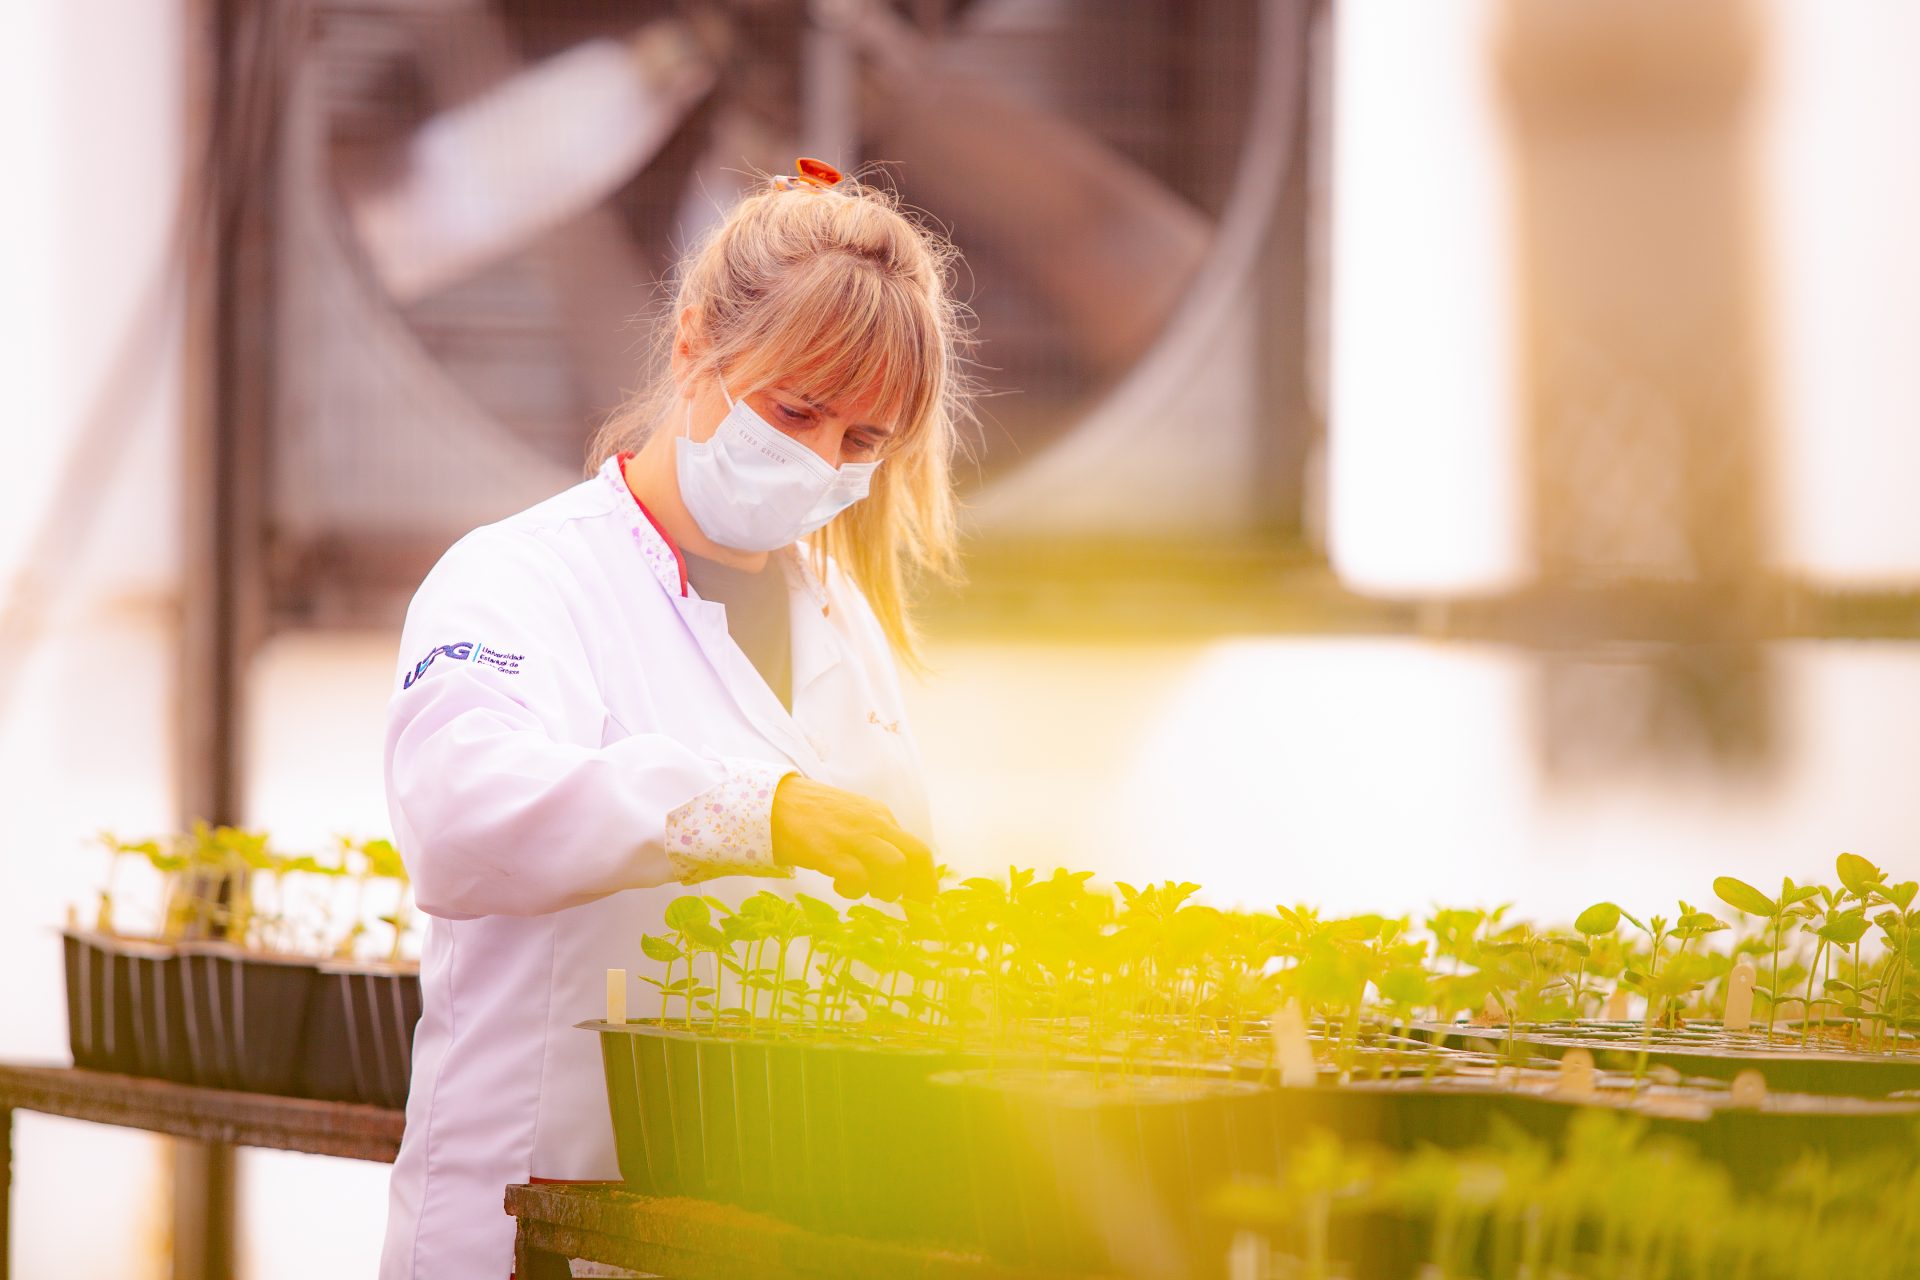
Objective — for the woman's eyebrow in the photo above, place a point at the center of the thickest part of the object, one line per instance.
(817, 407)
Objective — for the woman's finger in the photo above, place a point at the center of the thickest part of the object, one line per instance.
(885, 864)
(920, 880)
(833, 858)
(849, 873)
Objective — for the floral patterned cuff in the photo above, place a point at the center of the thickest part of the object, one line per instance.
(727, 830)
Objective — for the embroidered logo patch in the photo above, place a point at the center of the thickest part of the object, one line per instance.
(467, 651)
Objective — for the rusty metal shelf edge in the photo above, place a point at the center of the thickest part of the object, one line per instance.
(345, 1129)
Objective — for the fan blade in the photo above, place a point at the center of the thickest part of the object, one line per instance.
(600, 279)
(481, 180)
(1105, 243)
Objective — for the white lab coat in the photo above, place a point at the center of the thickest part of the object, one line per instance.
(562, 701)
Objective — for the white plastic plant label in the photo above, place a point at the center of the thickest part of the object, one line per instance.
(1617, 1005)
(1749, 1089)
(1739, 1015)
(1292, 1054)
(1247, 1257)
(1576, 1074)
(616, 996)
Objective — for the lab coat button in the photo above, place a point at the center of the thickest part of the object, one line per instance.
(818, 744)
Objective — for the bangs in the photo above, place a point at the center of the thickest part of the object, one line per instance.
(849, 333)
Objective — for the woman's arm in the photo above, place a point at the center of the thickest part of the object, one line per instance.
(502, 800)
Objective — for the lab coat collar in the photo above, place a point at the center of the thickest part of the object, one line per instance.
(661, 556)
(816, 647)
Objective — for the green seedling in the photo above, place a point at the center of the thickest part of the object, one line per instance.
(1596, 922)
(368, 863)
(1777, 912)
(690, 930)
(1835, 926)
(1901, 940)
(210, 892)
(233, 884)
(767, 925)
(118, 851)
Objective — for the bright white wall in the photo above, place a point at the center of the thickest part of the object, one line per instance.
(1425, 485)
(1423, 463)
(1843, 197)
(28, 226)
(90, 144)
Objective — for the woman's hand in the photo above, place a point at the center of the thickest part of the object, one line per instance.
(851, 838)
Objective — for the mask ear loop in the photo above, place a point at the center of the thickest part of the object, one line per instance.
(724, 395)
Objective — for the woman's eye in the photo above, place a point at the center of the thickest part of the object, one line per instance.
(790, 414)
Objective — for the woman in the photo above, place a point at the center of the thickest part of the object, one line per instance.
(645, 681)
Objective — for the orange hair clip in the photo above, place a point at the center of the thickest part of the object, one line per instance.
(815, 173)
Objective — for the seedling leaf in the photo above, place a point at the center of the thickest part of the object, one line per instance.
(660, 949)
(1601, 917)
(1845, 930)
(685, 911)
(1857, 873)
(1742, 896)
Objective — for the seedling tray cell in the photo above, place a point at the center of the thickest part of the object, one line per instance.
(124, 1006)
(358, 1045)
(99, 1004)
(245, 1017)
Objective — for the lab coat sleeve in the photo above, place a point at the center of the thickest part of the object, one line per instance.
(505, 797)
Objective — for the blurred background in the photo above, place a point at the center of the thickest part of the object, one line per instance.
(1435, 453)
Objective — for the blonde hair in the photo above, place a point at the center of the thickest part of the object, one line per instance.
(839, 291)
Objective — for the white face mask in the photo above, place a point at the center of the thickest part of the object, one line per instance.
(752, 487)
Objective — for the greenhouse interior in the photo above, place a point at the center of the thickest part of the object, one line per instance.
(960, 640)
